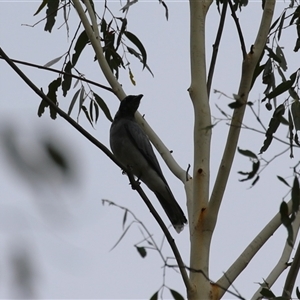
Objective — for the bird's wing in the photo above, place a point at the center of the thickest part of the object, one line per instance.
(141, 141)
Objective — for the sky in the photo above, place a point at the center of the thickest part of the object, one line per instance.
(56, 229)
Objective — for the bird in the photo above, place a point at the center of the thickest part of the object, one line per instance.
(131, 146)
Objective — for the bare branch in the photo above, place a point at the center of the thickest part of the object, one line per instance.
(249, 65)
(282, 262)
(135, 185)
(243, 260)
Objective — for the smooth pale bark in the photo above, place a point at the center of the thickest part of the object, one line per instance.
(200, 237)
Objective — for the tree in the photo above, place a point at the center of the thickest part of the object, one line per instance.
(203, 208)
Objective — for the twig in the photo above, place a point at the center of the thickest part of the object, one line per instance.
(210, 281)
(238, 27)
(135, 185)
(60, 72)
(216, 47)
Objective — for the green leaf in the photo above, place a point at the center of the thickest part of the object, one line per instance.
(286, 221)
(67, 79)
(51, 13)
(267, 293)
(73, 101)
(87, 114)
(283, 180)
(52, 90)
(247, 153)
(295, 109)
(142, 251)
(295, 195)
(282, 62)
(43, 4)
(53, 61)
(281, 88)
(124, 218)
(103, 106)
(139, 45)
(255, 168)
(57, 157)
(176, 295)
(298, 293)
(154, 296)
(81, 42)
(273, 126)
(123, 28)
(236, 104)
(281, 25)
(166, 8)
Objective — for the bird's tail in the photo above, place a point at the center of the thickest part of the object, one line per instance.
(172, 209)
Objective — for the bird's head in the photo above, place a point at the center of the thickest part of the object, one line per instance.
(129, 105)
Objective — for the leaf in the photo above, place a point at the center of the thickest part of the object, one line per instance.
(81, 42)
(121, 237)
(123, 27)
(52, 90)
(53, 61)
(67, 79)
(131, 77)
(139, 45)
(103, 106)
(283, 180)
(87, 114)
(281, 88)
(43, 4)
(295, 109)
(267, 293)
(273, 55)
(255, 168)
(58, 158)
(236, 104)
(166, 8)
(247, 153)
(154, 296)
(51, 13)
(282, 62)
(81, 100)
(281, 25)
(142, 251)
(273, 126)
(124, 218)
(286, 222)
(297, 292)
(295, 195)
(128, 4)
(73, 102)
(176, 295)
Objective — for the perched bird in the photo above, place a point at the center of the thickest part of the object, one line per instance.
(131, 146)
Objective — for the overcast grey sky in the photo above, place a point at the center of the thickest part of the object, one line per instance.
(63, 229)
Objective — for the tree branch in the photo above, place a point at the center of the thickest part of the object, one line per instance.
(61, 72)
(282, 263)
(248, 68)
(117, 88)
(216, 47)
(243, 260)
(238, 27)
(135, 185)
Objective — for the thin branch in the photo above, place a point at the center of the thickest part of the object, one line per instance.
(135, 185)
(118, 90)
(281, 265)
(61, 72)
(243, 260)
(238, 27)
(216, 47)
(294, 270)
(192, 270)
(249, 65)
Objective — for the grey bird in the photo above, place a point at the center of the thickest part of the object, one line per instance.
(131, 146)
